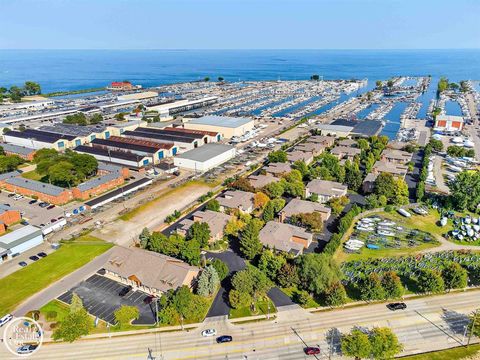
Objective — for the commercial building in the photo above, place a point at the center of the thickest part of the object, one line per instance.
(448, 123)
(166, 111)
(285, 237)
(120, 86)
(351, 128)
(149, 271)
(182, 141)
(325, 190)
(144, 95)
(22, 151)
(122, 158)
(216, 222)
(227, 126)
(45, 192)
(298, 206)
(205, 158)
(236, 200)
(38, 139)
(8, 216)
(19, 241)
(334, 130)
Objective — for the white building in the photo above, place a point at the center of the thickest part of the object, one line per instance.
(19, 241)
(227, 126)
(205, 157)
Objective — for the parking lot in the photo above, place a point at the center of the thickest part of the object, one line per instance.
(100, 296)
(33, 213)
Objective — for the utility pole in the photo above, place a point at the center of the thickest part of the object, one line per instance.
(473, 326)
(150, 356)
(156, 310)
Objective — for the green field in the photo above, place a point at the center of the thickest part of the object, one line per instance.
(32, 175)
(451, 354)
(22, 284)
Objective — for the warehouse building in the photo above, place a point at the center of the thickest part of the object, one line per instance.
(227, 126)
(144, 95)
(19, 241)
(24, 152)
(38, 139)
(44, 192)
(448, 123)
(166, 111)
(181, 142)
(205, 158)
(124, 158)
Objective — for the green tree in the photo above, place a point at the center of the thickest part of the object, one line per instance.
(371, 288)
(278, 156)
(213, 205)
(317, 272)
(32, 88)
(250, 244)
(356, 344)
(95, 119)
(62, 174)
(239, 299)
(384, 343)
(144, 237)
(208, 281)
(268, 212)
(75, 324)
(288, 276)
(234, 226)
(251, 281)
(465, 190)
(275, 189)
(221, 268)
(401, 192)
(16, 94)
(200, 232)
(430, 281)
(353, 176)
(315, 77)
(310, 221)
(9, 162)
(392, 285)
(270, 263)
(437, 145)
(190, 252)
(125, 314)
(385, 185)
(220, 79)
(454, 276)
(378, 84)
(337, 204)
(336, 295)
(301, 167)
(76, 304)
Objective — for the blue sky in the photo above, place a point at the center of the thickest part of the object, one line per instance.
(239, 24)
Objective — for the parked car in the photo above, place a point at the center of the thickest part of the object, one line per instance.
(31, 202)
(50, 207)
(11, 195)
(224, 339)
(311, 350)
(7, 204)
(125, 290)
(43, 204)
(34, 258)
(53, 220)
(148, 299)
(397, 306)
(5, 319)
(24, 222)
(22, 263)
(42, 254)
(209, 332)
(26, 349)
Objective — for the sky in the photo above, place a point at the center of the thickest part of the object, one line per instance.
(239, 24)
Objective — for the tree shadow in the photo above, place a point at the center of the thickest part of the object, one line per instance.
(333, 338)
(457, 322)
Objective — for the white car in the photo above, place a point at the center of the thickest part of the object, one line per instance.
(5, 319)
(209, 332)
(26, 349)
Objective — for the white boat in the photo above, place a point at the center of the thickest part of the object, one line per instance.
(385, 233)
(362, 228)
(386, 223)
(443, 221)
(404, 212)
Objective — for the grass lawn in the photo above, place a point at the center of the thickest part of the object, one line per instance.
(139, 209)
(57, 307)
(261, 306)
(457, 353)
(29, 280)
(290, 291)
(32, 175)
(426, 223)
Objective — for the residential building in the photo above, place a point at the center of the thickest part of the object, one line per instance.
(149, 271)
(8, 216)
(227, 126)
(236, 200)
(43, 191)
(325, 189)
(347, 143)
(285, 237)
(306, 157)
(313, 148)
(345, 152)
(328, 141)
(19, 241)
(260, 181)
(396, 156)
(389, 167)
(278, 169)
(298, 206)
(205, 158)
(216, 222)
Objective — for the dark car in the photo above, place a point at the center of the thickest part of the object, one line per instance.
(52, 220)
(24, 222)
(34, 258)
(11, 195)
(148, 299)
(312, 350)
(22, 263)
(125, 291)
(50, 207)
(31, 202)
(42, 254)
(6, 204)
(397, 306)
(43, 204)
(224, 339)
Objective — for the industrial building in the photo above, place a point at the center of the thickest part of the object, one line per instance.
(448, 123)
(352, 128)
(38, 139)
(124, 158)
(227, 126)
(19, 241)
(24, 152)
(205, 158)
(166, 111)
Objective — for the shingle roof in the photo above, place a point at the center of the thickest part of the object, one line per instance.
(114, 154)
(34, 185)
(298, 206)
(259, 181)
(235, 199)
(97, 181)
(9, 175)
(325, 187)
(279, 236)
(278, 168)
(215, 220)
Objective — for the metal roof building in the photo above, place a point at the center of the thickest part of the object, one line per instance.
(225, 125)
(19, 241)
(205, 158)
(125, 158)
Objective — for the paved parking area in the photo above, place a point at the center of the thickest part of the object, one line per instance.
(100, 297)
(33, 213)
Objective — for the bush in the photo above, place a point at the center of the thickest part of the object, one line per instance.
(51, 315)
(389, 208)
(301, 297)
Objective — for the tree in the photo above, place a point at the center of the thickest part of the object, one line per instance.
(190, 252)
(401, 192)
(242, 184)
(454, 276)
(336, 295)
(120, 116)
(288, 276)
(95, 119)
(465, 190)
(199, 231)
(75, 324)
(430, 281)
(270, 263)
(85, 165)
(311, 221)
(356, 344)
(9, 162)
(278, 156)
(378, 84)
(392, 285)
(76, 304)
(206, 78)
(371, 288)
(190, 306)
(239, 299)
(268, 212)
(125, 314)
(260, 200)
(317, 272)
(437, 145)
(384, 343)
(337, 204)
(251, 281)
(301, 167)
(221, 268)
(208, 282)
(363, 144)
(213, 205)
(144, 237)
(220, 79)
(32, 88)
(250, 244)
(15, 94)
(62, 174)
(234, 226)
(275, 189)
(353, 175)
(315, 77)
(385, 185)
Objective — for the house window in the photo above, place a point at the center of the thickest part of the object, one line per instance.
(61, 144)
(174, 151)
(78, 142)
(93, 137)
(160, 155)
(107, 134)
(145, 162)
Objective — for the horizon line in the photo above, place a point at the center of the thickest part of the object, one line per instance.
(238, 49)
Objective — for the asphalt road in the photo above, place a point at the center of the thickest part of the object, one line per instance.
(427, 324)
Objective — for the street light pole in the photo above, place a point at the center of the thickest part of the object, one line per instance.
(473, 326)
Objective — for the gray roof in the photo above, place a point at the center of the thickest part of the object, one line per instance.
(22, 150)
(235, 199)
(326, 187)
(97, 181)
(74, 130)
(205, 152)
(35, 186)
(223, 121)
(9, 175)
(298, 206)
(279, 236)
(19, 236)
(108, 167)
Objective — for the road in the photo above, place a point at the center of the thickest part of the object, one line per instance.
(427, 324)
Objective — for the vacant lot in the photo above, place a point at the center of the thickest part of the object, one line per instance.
(25, 282)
